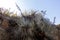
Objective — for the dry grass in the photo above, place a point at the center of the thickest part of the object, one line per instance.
(26, 27)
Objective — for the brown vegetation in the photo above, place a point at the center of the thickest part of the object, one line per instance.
(30, 27)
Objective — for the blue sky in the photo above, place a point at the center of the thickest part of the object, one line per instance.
(52, 7)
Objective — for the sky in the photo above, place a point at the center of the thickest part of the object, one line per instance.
(52, 7)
